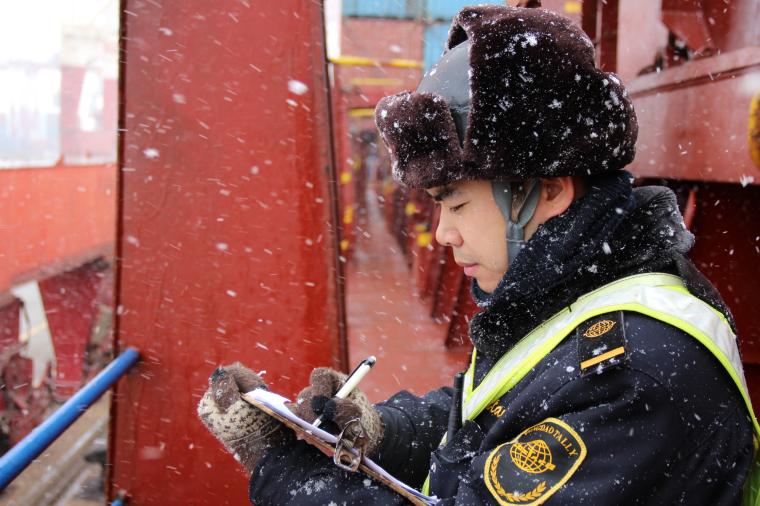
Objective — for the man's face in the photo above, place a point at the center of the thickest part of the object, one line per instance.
(473, 226)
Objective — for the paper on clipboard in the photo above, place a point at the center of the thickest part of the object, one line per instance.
(277, 404)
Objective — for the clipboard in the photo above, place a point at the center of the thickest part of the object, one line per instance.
(342, 449)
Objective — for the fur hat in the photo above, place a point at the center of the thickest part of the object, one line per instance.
(538, 106)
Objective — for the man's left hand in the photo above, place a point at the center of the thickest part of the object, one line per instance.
(245, 431)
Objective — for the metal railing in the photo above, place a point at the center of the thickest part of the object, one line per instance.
(29, 448)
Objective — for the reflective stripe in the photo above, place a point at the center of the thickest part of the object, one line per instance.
(541, 332)
(426, 486)
(660, 296)
(531, 349)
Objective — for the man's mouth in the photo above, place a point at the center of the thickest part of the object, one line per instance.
(469, 269)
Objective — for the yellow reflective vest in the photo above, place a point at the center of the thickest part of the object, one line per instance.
(660, 296)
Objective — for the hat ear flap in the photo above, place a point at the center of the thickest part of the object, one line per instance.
(420, 134)
(457, 35)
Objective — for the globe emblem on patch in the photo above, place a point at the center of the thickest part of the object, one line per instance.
(532, 457)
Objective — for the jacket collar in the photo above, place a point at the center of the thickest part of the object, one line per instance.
(612, 232)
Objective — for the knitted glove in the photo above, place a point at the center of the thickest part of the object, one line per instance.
(318, 399)
(245, 431)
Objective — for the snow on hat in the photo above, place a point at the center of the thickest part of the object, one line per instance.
(538, 107)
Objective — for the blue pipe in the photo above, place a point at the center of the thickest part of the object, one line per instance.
(29, 448)
(120, 499)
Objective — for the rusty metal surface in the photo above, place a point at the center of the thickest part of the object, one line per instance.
(23, 403)
(226, 228)
(71, 306)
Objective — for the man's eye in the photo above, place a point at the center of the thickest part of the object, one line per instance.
(455, 209)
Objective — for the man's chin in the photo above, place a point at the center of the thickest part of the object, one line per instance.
(486, 286)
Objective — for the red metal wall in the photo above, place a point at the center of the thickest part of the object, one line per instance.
(694, 119)
(227, 246)
(52, 219)
(727, 251)
(641, 35)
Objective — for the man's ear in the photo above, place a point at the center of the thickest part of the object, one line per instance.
(557, 193)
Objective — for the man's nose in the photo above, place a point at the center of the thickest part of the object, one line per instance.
(447, 235)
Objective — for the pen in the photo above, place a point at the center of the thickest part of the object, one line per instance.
(455, 415)
(353, 379)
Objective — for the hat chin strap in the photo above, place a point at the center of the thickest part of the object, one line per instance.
(502, 193)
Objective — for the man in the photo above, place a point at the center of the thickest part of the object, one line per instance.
(605, 368)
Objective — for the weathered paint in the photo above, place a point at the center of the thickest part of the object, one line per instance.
(227, 243)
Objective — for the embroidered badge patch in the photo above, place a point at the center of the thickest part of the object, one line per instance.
(529, 469)
(601, 343)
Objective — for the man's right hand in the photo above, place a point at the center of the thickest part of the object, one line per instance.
(318, 399)
(245, 431)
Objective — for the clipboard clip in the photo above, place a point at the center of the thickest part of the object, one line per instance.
(351, 446)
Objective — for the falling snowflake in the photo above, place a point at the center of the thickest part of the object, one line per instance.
(297, 87)
(151, 153)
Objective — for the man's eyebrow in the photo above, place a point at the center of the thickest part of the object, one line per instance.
(446, 192)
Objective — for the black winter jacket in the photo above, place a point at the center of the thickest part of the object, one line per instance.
(668, 426)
